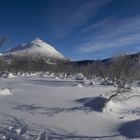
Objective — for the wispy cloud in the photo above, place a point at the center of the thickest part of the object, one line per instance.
(95, 26)
(63, 20)
(112, 34)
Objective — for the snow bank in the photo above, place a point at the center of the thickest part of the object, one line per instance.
(4, 92)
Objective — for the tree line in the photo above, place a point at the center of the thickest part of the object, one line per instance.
(121, 69)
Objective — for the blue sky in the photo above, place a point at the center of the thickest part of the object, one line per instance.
(80, 29)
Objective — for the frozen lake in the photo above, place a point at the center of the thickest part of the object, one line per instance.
(59, 109)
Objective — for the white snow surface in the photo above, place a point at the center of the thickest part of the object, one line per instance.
(5, 92)
(51, 104)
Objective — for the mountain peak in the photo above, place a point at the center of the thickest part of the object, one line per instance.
(37, 40)
(36, 48)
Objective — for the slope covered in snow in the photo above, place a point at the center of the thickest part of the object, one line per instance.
(36, 48)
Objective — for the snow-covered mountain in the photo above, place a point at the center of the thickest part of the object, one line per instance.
(36, 49)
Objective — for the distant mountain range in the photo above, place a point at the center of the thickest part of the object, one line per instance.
(133, 57)
(38, 50)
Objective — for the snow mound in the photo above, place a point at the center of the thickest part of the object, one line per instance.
(11, 75)
(4, 92)
(57, 78)
(112, 105)
(80, 86)
(89, 82)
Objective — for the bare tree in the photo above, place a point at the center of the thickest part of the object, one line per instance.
(121, 71)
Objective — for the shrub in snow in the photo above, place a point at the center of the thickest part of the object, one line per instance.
(136, 83)
(107, 83)
(4, 74)
(79, 76)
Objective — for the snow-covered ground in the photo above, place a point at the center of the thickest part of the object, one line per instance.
(65, 109)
